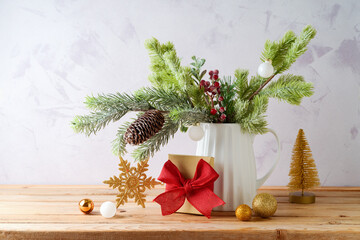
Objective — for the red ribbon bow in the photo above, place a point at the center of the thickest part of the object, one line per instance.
(198, 191)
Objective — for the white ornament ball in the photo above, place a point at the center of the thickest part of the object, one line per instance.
(196, 133)
(108, 209)
(265, 69)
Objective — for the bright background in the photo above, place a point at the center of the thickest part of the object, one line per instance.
(54, 53)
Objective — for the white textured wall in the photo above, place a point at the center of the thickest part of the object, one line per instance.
(54, 53)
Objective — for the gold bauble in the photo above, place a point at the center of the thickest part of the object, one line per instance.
(86, 205)
(243, 212)
(264, 205)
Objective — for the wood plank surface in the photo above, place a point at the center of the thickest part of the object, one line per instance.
(51, 212)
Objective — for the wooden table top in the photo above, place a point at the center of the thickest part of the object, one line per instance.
(51, 212)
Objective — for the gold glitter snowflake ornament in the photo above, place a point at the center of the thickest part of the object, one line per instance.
(132, 182)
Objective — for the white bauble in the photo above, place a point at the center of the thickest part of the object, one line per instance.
(265, 69)
(196, 133)
(108, 209)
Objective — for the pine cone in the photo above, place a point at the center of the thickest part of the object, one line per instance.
(144, 127)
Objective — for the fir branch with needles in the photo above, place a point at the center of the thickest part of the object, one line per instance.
(162, 99)
(289, 88)
(106, 109)
(119, 144)
(252, 115)
(285, 52)
(190, 116)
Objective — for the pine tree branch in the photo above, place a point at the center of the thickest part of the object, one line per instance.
(95, 121)
(261, 87)
(168, 72)
(253, 120)
(197, 97)
(254, 83)
(119, 101)
(181, 74)
(298, 47)
(119, 144)
(107, 108)
(276, 51)
(285, 52)
(241, 82)
(162, 99)
(173, 63)
(156, 52)
(162, 75)
(289, 88)
(190, 116)
(241, 107)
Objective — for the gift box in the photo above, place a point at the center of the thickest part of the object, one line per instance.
(187, 165)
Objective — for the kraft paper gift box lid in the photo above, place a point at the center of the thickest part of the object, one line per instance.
(187, 165)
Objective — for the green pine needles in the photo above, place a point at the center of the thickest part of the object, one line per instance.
(185, 100)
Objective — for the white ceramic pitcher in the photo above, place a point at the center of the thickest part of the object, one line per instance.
(234, 162)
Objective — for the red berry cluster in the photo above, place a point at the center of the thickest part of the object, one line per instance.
(212, 90)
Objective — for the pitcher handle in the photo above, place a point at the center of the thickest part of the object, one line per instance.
(261, 181)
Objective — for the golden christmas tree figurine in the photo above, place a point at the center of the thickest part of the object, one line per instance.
(303, 173)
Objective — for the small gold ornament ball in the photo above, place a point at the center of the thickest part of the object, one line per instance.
(264, 205)
(86, 205)
(243, 212)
